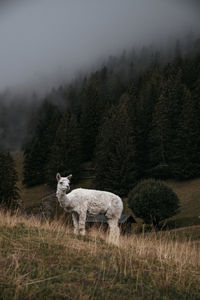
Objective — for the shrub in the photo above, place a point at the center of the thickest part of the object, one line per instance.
(153, 201)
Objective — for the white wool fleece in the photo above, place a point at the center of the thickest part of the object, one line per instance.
(81, 202)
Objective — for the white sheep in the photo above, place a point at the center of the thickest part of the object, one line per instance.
(81, 202)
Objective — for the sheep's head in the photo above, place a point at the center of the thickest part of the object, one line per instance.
(63, 182)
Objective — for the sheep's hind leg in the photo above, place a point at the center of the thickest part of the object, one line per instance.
(75, 223)
(82, 219)
(114, 231)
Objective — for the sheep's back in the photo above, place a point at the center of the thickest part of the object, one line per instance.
(96, 201)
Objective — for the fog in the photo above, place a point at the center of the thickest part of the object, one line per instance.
(44, 42)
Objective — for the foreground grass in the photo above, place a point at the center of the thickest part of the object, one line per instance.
(46, 261)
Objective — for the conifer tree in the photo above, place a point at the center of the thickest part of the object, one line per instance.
(8, 181)
(186, 162)
(158, 141)
(115, 88)
(115, 154)
(92, 110)
(162, 137)
(149, 86)
(65, 156)
(37, 151)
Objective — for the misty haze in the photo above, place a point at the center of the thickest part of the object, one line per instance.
(47, 42)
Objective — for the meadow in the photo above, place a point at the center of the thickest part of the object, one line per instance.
(44, 260)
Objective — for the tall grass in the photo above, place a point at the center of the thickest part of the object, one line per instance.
(44, 260)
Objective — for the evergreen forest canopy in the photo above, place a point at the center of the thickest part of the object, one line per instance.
(131, 126)
(138, 116)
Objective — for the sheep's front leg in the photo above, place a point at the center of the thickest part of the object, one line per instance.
(82, 219)
(75, 222)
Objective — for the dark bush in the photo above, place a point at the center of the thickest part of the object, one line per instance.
(153, 201)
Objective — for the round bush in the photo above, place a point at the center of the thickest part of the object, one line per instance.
(153, 201)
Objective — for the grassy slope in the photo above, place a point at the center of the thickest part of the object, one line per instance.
(46, 261)
(189, 195)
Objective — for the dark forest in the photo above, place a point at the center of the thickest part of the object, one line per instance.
(135, 117)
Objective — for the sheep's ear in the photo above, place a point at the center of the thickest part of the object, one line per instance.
(69, 177)
(58, 176)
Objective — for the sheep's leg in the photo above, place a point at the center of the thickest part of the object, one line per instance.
(75, 222)
(82, 219)
(114, 231)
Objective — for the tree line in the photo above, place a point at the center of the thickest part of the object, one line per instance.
(136, 117)
(130, 126)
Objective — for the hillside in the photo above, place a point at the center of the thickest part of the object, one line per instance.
(46, 261)
(187, 191)
(189, 195)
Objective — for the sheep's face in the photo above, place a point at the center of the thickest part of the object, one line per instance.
(63, 182)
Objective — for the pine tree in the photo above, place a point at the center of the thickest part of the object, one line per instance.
(186, 162)
(158, 141)
(8, 181)
(115, 88)
(90, 118)
(162, 137)
(65, 156)
(37, 150)
(115, 154)
(149, 86)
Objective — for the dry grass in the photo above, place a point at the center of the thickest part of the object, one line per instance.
(46, 261)
(189, 195)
